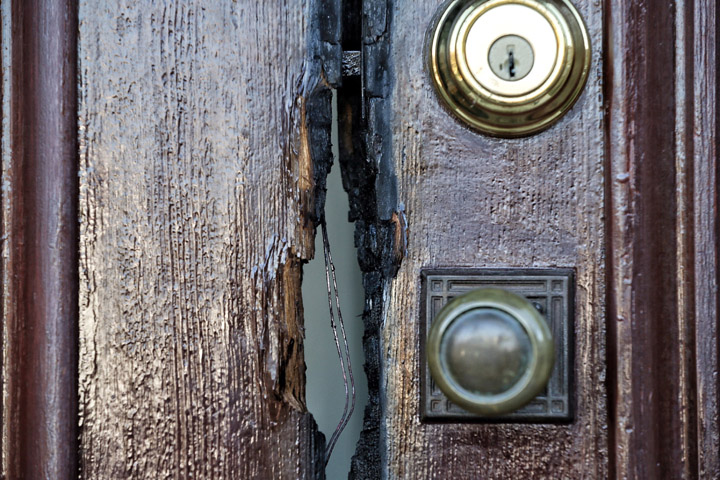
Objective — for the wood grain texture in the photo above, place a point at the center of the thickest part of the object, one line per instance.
(39, 239)
(197, 203)
(475, 201)
(662, 178)
(703, 131)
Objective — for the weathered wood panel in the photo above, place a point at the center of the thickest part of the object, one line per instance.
(703, 109)
(663, 319)
(39, 239)
(197, 211)
(475, 201)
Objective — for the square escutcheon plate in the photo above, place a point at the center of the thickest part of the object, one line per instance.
(551, 291)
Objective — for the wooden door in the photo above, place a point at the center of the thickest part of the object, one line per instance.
(623, 190)
(163, 169)
(163, 164)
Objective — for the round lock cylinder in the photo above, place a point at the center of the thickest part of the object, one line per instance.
(490, 351)
(509, 67)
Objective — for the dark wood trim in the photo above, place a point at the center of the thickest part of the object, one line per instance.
(661, 87)
(40, 233)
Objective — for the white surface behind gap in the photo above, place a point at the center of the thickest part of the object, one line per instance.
(325, 391)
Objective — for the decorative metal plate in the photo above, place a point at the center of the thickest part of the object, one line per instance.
(551, 291)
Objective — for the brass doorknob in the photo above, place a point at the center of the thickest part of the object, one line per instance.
(490, 351)
(509, 67)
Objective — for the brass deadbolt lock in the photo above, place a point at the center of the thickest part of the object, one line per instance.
(490, 351)
(509, 67)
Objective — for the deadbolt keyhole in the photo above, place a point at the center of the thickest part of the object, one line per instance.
(511, 61)
(511, 57)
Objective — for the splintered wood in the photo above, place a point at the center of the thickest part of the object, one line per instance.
(196, 193)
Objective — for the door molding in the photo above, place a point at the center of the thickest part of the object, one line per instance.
(661, 96)
(40, 238)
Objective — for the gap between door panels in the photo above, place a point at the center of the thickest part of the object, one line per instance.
(325, 392)
(366, 258)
